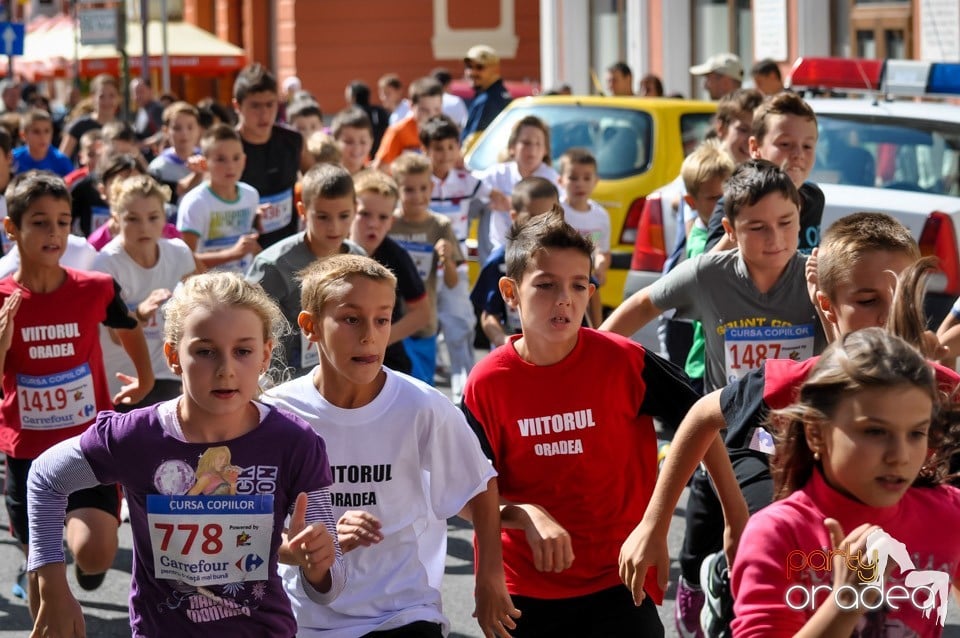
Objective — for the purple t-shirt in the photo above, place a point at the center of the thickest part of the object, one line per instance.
(199, 509)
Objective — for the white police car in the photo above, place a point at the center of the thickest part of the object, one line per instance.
(879, 152)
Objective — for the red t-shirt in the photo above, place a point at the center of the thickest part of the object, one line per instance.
(576, 438)
(54, 381)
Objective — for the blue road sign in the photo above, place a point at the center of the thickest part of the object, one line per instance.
(11, 38)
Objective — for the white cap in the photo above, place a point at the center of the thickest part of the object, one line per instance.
(726, 64)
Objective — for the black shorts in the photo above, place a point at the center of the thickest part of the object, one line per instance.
(418, 629)
(101, 497)
(609, 613)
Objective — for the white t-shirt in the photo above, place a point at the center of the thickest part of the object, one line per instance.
(503, 177)
(593, 224)
(79, 255)
(136, 283)
(219, 223)
(455, 108)
(409, 458)
(452, 197)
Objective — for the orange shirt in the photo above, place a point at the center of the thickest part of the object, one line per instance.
(402, 136)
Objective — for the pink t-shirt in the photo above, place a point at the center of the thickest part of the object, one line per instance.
(101, 236)
(783, 545)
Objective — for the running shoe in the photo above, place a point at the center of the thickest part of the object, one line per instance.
(20, 584)
(88, 582)
(717, 612)
(686, 610)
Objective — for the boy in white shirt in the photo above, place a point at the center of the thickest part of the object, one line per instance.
(578, 177)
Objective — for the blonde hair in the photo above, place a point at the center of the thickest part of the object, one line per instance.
(206, 462)
(217, 289)
(410, 163)
(123, 192)
(708, 161)
(324, 279)
(377, 182)
(323, 148)
(180, 108)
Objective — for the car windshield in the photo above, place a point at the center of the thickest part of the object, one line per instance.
(912, 155)
(620, 139)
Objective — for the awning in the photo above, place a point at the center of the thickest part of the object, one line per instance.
(50, 50)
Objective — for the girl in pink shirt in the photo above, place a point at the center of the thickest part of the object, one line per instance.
(864, 541)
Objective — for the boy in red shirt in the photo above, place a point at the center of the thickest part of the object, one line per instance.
(54, 381)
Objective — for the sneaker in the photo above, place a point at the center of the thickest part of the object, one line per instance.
(686, 610)
(717, 612)
(88, 582)
(20, 584)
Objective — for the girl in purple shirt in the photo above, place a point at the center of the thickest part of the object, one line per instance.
(205, 559)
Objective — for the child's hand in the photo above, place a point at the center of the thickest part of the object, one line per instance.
(8, 313)
(197, 163)
(494, 609)
(810, 271)
(853, 544)
(643, 550)
(148, 307)
(59, 614)
(247, 245)
(549, 541)
(357, 528)
(312, 546)
(132, 391)
(499, 201)
(443, 250)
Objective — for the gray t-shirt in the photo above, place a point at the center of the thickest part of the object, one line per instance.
(275, 269)
(742, 326)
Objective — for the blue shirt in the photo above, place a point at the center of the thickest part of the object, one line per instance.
(484, 108)
(55, 161)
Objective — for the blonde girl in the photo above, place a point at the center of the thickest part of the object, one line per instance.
(860, 468)
(148, 267)
(200, 558)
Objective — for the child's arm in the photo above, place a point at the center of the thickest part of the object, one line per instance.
(246, 244)
(58, 472)
(549, 542)
(313, 548)
(357, 528)
(632, 314)
(494, 610)
(416, 318)
(135, 388)
(198, 167)
(492, 327)
(8, 312)
(445, 255)
(601, 264)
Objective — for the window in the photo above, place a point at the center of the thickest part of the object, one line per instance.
(881, 29)
(608, 36)
(721, 26)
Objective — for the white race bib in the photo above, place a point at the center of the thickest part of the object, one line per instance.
(210, 540)
(278, 210)
(458, 214)
(98, 217)
(55, 401)
(747, 348)
(422, 256)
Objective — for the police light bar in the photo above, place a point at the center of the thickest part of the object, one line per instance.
(944, 79)
(851, 74)
(905, 77)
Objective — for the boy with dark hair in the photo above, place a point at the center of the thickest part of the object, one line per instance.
(766, 77)
(54, 381)
(784, 131)
(426, 101)
(275, 154)
(305, 115)
(526, 405)
(38, 152)
(217, 218)
(859, 258)
(327, 210)
(531, 196)
(377, 197)
(355, 134)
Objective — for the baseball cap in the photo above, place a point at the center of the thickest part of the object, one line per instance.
(482, 54)
(726, 64)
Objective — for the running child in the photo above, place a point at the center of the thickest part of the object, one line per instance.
(557, 448)
(54, 381)
(354, 133)
(578, 179)
(531, 197)
(529, 156)
(148, 267)
(253, 464)
(753, 302)
(860, 257)
(429, 240)
(217, 218)
(859, 470)
(419, 465)
(377, 197)
(37, 151)
(179, 166)
(327, 210)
